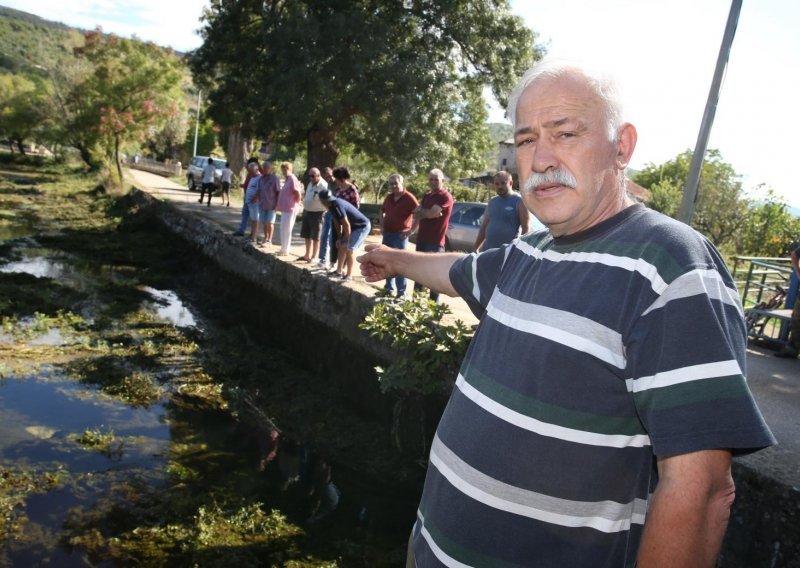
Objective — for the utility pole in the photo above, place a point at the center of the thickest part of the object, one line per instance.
(197, 123)
(693, 180)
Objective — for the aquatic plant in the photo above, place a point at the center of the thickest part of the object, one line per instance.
(102, 441)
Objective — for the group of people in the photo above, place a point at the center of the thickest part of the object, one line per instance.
(333, 226)
(332, 222)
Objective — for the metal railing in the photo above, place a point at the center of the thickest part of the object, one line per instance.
(763, 278)
(765, 287)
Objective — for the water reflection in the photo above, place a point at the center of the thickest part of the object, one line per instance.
(38, 266)
(39, 417)
(168, 306)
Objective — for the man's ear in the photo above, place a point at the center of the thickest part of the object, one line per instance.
(626, 142)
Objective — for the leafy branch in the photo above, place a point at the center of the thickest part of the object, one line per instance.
(428, 351)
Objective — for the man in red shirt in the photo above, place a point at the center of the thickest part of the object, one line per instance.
(432, 217)
(396, 213)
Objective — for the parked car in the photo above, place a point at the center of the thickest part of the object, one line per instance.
(462, 230)
(194, 171)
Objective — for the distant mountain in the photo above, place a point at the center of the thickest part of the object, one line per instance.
(795, 211)
(27, 41)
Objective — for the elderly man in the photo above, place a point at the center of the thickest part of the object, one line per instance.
(594, 418)
(431, 219)
(312, 214)
(245, 218)
(396, 215)
(506, 215)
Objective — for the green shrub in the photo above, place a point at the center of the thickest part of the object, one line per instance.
(429, 352)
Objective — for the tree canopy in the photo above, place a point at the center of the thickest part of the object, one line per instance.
(401, 81)
(92, 91)
(732, 220)
(136, 88)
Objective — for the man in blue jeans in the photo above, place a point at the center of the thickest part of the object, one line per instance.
(245, 222)
(351, 227)
(432, 217)
(327, 238)
(396, 213)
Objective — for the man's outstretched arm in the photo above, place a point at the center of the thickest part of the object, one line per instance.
(432, 270)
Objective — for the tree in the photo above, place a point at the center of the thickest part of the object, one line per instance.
(733, 222)
(399, 80)
(770, 227)
(21, 109)
(135, 88)
(166, 140)
(721, 210)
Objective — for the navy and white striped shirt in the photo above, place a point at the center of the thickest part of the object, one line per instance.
(596, 352)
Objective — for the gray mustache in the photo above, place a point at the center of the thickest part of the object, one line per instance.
(561, 177)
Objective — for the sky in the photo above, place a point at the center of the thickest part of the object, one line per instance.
(662, 53)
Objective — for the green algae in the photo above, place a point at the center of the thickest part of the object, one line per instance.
(207, 503)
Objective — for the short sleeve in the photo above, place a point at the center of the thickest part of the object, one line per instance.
(686, 357)
(475, 276)
(337, 212)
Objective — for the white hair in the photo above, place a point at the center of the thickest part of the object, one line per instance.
(601, 84)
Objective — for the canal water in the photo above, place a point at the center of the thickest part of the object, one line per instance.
(148, 418)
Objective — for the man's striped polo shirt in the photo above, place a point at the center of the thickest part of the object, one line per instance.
(596, 352)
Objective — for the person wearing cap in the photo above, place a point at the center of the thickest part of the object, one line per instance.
(351, 227)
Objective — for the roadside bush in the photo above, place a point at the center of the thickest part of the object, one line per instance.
(428, 352)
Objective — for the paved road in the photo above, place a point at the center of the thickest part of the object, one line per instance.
(775, 382)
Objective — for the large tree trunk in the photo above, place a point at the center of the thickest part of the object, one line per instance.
(116, 159)
(322, 150)
(238, 150)
(19, 145)
(86, 156)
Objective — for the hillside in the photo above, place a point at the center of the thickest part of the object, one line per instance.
(27, 41)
